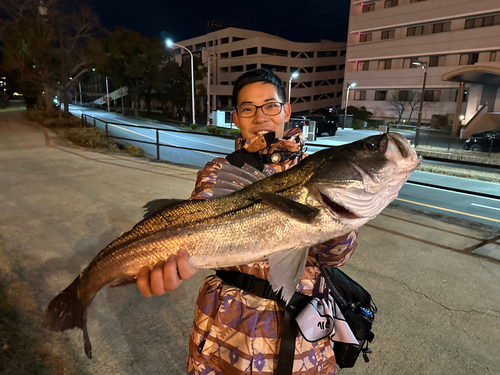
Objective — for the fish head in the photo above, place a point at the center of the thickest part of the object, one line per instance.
(358, 180)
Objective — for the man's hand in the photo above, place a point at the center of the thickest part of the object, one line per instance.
(165, 276)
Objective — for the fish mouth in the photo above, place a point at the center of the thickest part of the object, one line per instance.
(338, 209)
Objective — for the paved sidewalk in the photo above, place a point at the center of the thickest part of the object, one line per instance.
(439, 303)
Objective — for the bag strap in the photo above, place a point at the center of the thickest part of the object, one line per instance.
(261, 288)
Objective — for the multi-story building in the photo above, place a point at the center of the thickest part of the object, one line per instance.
(231, 51)
(456, 41)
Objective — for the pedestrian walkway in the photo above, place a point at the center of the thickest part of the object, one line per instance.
(438, 301)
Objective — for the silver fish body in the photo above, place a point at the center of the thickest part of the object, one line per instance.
(327, 195)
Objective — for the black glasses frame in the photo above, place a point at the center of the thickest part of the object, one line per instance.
(237, 108)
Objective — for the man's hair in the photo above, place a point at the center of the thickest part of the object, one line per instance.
(259, 75)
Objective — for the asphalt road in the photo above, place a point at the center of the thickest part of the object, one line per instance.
(198, 149)
(439, 304)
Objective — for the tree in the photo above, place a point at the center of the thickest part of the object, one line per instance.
(130, 60)
(398, 106)
(413, 102)
(43, 41)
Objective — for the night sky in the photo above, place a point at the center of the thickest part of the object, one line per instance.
(298, 21)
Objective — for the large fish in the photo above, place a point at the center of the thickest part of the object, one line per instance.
(278, 218)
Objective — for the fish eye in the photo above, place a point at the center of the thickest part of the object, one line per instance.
(370, 146)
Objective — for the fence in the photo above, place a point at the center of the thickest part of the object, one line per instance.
(94, 121)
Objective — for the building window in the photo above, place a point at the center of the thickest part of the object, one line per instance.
(441, 27)
(365, 37)
(200, 46)
(236, 68)
(415, 31)
(237, 38)
(388, 34)
(472, 23)
(362, 65)
(225, 83)
(340, 81)
(408, 63)
(368, 8)
(224, 40)
(274, 68)
(326, 68)
(493, 56)
(252, 51)
(360, 95)
(224, 69)
(341, 66)
(416, 1)
(403, 95)
(469, 58)
(342, 53)
(432, 95)
(327, 54)
(384, 64)
(380, 95)
(237, 53)
(437, 61)
(224, 55)
(274, 51)
(390, 3)
(251, 66)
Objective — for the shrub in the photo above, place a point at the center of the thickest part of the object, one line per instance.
(136, 151)
(194, 126)
(211, 129)
(234, 132)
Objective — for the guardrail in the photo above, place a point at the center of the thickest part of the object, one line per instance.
(157, 143)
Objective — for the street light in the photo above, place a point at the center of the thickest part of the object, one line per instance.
(419, 120)
(208, 88)
(170, 44)
(107, 93)
(292, 76)
(349, 85)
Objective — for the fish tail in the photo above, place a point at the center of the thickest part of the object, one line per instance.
(67, 311)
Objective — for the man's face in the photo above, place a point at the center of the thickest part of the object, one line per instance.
(259, 93)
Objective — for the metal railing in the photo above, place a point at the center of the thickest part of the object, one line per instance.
(157, 142)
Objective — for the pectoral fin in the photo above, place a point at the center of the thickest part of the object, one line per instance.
(289, 207)
(286, 269)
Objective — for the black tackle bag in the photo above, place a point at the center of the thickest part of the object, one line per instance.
(359, 312)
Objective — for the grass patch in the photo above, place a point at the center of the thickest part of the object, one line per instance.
(481, 155)
(459, 172)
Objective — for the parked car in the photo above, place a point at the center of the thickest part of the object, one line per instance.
(323, 125)
(482, 141)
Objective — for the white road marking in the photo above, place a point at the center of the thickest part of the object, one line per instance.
(480, 205)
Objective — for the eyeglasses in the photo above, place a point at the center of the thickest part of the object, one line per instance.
(269, 109)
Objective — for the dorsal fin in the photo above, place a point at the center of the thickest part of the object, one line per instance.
(231, 178)
(158, 205)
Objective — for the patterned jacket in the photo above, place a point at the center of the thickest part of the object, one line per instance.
(235, 332)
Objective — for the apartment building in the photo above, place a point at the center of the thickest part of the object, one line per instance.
(231, 51)
(457, 41)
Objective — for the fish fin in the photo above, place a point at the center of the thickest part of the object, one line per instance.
(296, 210)
(286, 269)
(231, 178)
(67, 311)
(254, 171)
(124, 281)
(158, 205)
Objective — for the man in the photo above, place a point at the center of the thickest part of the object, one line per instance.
(237, 330)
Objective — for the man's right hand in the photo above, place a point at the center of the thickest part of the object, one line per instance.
(165, 276)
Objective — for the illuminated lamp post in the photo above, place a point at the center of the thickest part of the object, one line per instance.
(348, 87)
(419, 120)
